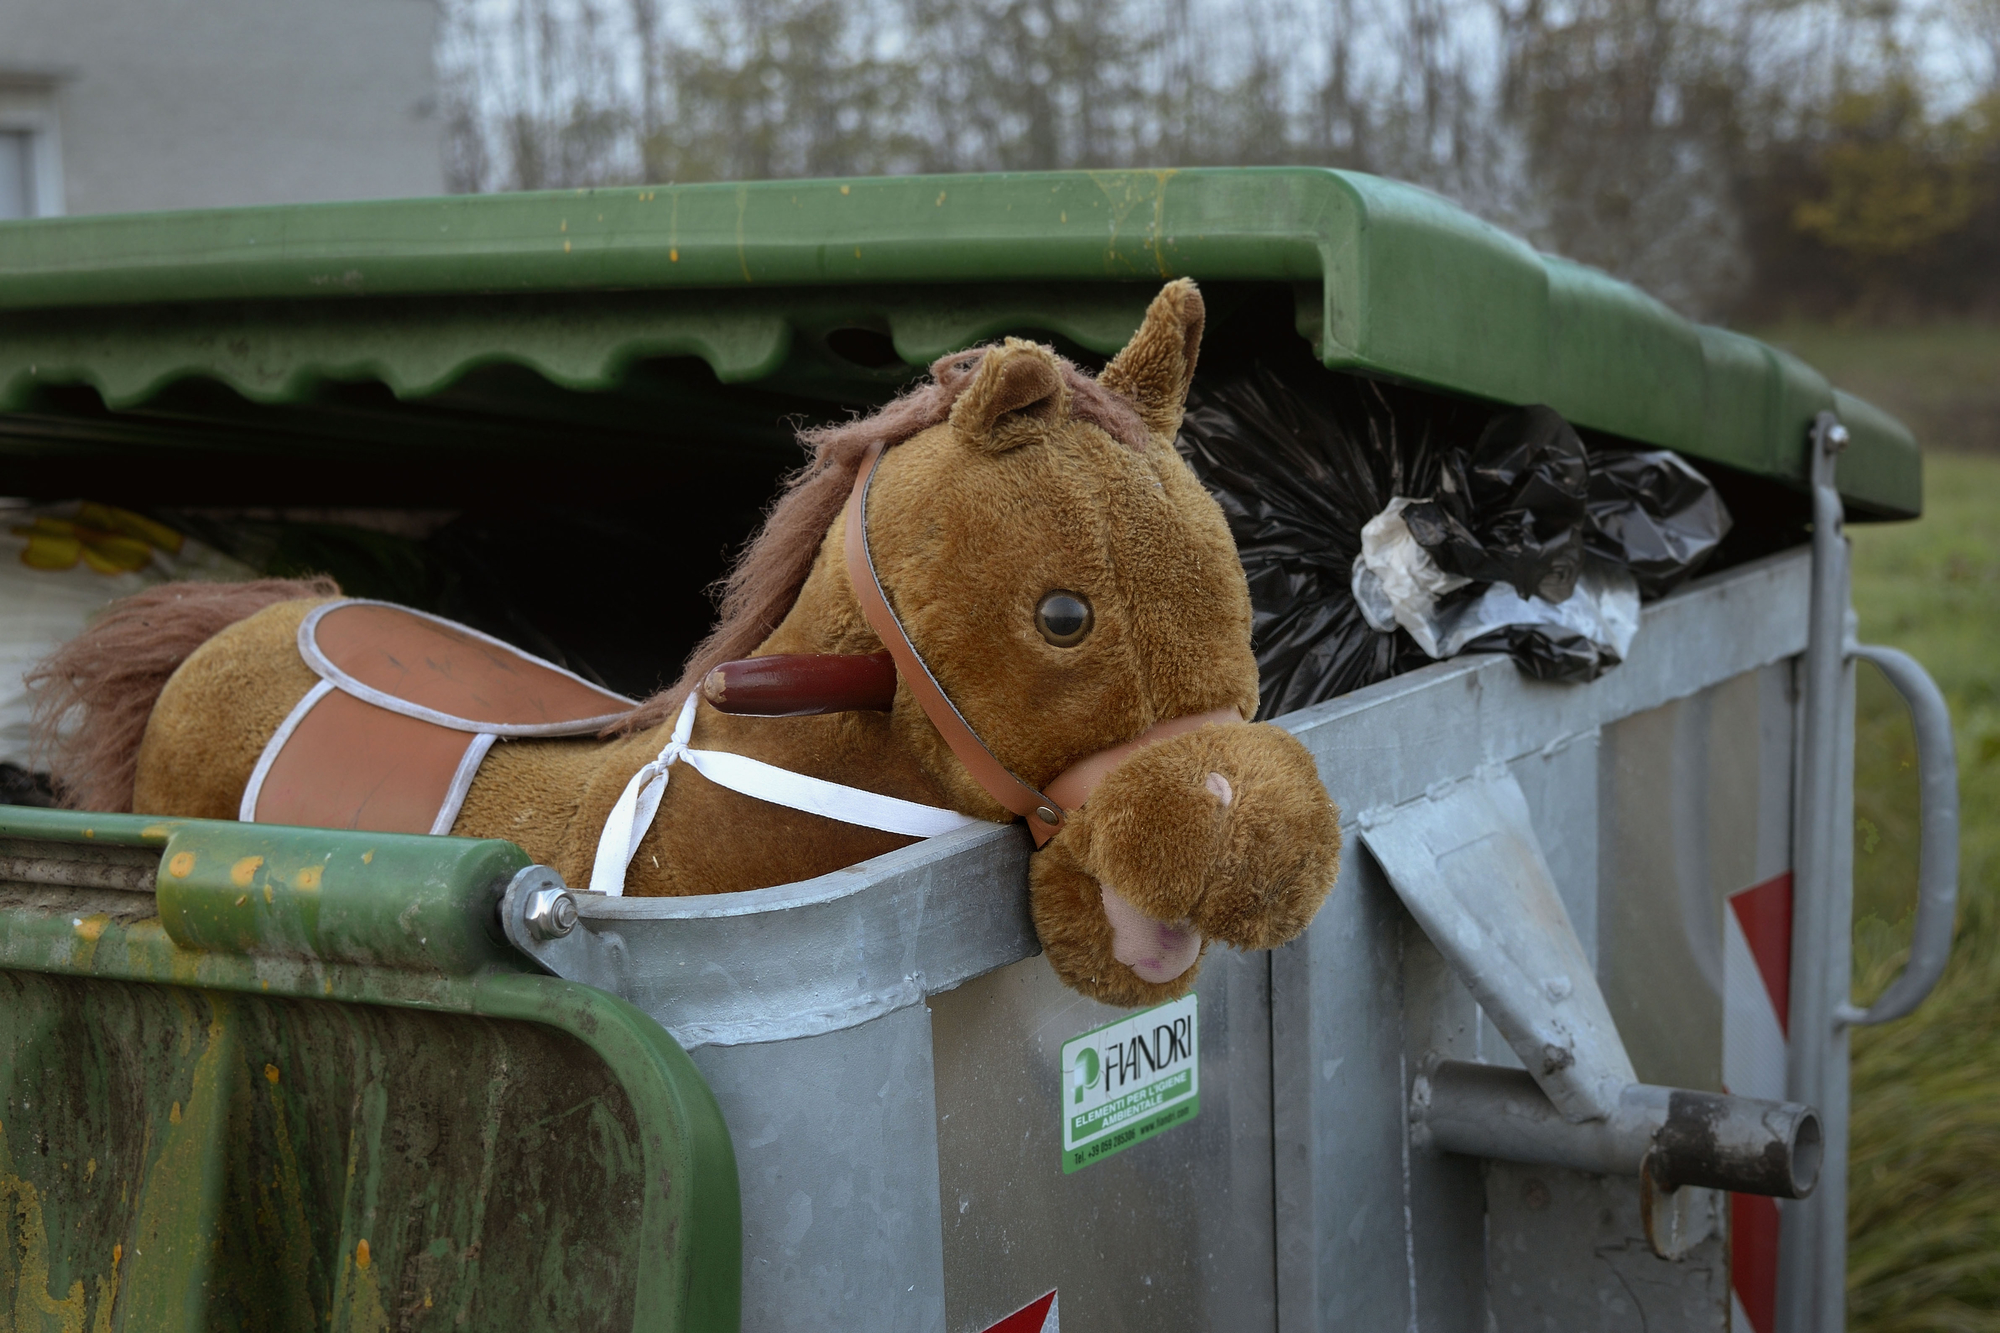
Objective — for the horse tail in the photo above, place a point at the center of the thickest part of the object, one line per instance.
(94, 694)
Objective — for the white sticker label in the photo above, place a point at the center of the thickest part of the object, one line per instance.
(1128, 1080)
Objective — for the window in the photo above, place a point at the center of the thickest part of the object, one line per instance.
(30, 161)
(17, 174)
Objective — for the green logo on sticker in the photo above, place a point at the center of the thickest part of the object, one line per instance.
(1087, 1070)
(1130, 1079)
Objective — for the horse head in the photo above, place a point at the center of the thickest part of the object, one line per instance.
(1071, 589)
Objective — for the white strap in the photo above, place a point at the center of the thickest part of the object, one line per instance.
(633, 812)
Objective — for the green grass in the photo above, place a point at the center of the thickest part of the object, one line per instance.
(1924, 1204)
(1924, 1194)
(1942, 380)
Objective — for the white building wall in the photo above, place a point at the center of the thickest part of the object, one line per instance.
(204, 103)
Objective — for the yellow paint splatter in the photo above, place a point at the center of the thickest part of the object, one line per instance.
(857, 252)
(181, 865)
(673, 256)
(91, 928)
(267, 892)
(361, 1254)
(565, 225)
(368, 856)
(843, 189)
(90, 833)
(107, 1294)
(174, 1116)
(565, 247)
(940, 199)
(90, 1171)
(308, 879)
(427, 1300)
(34, 1306)
(244, 871)
(271, 1072)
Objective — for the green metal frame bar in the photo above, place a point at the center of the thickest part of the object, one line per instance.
(380, 919)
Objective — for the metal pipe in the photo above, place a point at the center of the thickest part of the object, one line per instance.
(1937, 856)
(1812, 1245)
(1675, 1136)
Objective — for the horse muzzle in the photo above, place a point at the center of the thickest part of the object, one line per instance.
(1219, 832)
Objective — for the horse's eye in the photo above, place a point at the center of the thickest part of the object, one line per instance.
(1063, 618)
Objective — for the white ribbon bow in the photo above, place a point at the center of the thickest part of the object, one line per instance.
(633, 812)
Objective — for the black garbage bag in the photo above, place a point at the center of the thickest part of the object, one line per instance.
(1299, 469)
(1512, 509)
(1549, 654)
(1655, 514)
(1297, 475)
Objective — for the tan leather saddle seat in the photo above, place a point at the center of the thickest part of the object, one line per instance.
(406, 708)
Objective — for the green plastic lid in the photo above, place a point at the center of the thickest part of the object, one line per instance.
(756, 280)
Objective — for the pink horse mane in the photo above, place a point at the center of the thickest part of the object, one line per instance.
(762, 585)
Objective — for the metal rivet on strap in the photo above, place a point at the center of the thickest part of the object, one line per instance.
(1048, 814)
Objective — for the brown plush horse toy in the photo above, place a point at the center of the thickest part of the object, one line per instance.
(1070, 632)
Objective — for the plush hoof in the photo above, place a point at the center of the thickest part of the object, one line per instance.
(1221, 834)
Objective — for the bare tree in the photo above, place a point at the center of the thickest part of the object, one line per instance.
(1665, 141)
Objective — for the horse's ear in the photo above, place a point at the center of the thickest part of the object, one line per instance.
(1157, 366)
(1018, 378)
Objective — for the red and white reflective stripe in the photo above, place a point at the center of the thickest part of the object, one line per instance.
(1756, 999)
(1037, 1316)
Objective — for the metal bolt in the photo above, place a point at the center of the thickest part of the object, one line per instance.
(550, 913)
(1836, 438)
(1048, 814)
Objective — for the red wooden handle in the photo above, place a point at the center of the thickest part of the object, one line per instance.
(802, 684)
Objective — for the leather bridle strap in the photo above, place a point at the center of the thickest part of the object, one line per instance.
(1074, 785)
(1044, 816)
(1043, 811)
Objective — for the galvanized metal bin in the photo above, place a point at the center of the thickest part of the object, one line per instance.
(883, 1043)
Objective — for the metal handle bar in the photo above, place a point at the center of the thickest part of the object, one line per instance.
(1937, 854)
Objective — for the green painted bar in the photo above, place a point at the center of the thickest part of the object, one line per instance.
(381, 900)
(309, 1123)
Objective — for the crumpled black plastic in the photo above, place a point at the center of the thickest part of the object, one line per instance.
(1512, 508)
(1653, 513)
(1299, 468)
(1546, 653)
(1297, 475)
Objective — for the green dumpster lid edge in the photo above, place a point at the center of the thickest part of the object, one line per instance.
(1390, 279)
